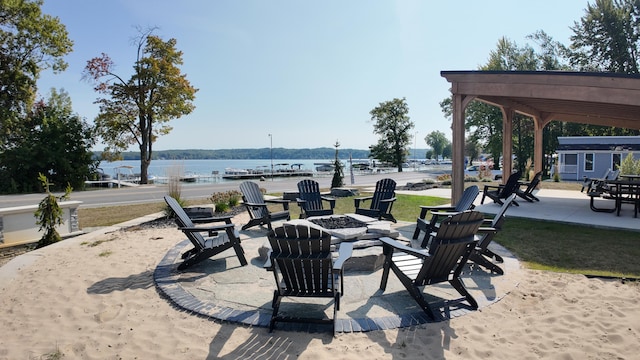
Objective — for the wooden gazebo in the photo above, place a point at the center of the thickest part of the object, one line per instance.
(590, 98)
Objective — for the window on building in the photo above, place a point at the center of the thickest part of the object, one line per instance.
(570, 163)
(616, 158)
(588, 161)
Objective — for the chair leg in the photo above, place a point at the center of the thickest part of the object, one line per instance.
(456, 282)
(389, 217)
(240, 253)
(485, 263)
(416, 294)
(388, 252)
(275, 304)
(491, 255)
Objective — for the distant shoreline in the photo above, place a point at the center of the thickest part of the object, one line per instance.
(259, 154)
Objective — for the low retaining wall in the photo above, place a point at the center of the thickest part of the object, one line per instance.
(18, 224)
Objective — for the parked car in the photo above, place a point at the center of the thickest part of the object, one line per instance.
(474, 170)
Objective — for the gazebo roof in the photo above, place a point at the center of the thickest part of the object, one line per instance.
(591, 98)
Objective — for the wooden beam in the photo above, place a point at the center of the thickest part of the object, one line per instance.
(507, 143)
(457, 148)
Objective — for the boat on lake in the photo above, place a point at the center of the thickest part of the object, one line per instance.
(280, 170)
(323, 167)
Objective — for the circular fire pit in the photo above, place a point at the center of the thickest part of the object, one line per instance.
(362, 231)
(338, 222)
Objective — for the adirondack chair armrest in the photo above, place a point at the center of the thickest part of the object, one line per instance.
(211, 230)
(277, 201)
(225, 218)
(493, 187)
(255, 204)
(284, 203)
(386, 241)
(358, 200)
(330, 200)
(344, 253)
(388, 200)
(444, 213)
(487, 222)
(426, 208)
(486, 229)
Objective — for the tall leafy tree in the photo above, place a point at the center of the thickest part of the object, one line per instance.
(438, 141)
(58, 144)
(483, 122)
(607, 37)
(30, 42)
(393, 125)
(472, 149)
(138, 110)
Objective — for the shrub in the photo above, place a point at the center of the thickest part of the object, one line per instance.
(174, 188)
(444, 179)
(629, 165)
(221, 201)
(234, 197)
(50, 214)
(556, 175)
(226, 200)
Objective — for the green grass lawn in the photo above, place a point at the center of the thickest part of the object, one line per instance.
(538, 244)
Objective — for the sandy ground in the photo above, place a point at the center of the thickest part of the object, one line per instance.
(93, 297)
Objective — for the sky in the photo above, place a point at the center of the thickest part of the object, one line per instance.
(306, 72)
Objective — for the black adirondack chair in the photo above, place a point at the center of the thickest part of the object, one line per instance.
(302, 265)
(221, 237)
(469, 195)
(311, 201)
(498, 193)
(257, 206)
(527, 193)
(594, 183)
(381, 201)
(481, 254)
(442, 262)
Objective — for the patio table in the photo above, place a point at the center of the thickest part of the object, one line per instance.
(627, 192)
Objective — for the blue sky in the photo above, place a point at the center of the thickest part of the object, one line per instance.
(307, 72)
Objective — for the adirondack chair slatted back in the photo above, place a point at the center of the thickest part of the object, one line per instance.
(309, 191)
(302, 261)
(511, 185)
(469, 195)
(385, 189)
(251, 194)
(451, 246)
(183, 220)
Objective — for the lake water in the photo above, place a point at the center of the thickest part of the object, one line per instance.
(206, 169)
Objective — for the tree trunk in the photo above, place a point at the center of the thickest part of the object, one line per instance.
(144, 167)
(145, 146)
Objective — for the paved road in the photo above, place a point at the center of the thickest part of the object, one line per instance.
(154, 193)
